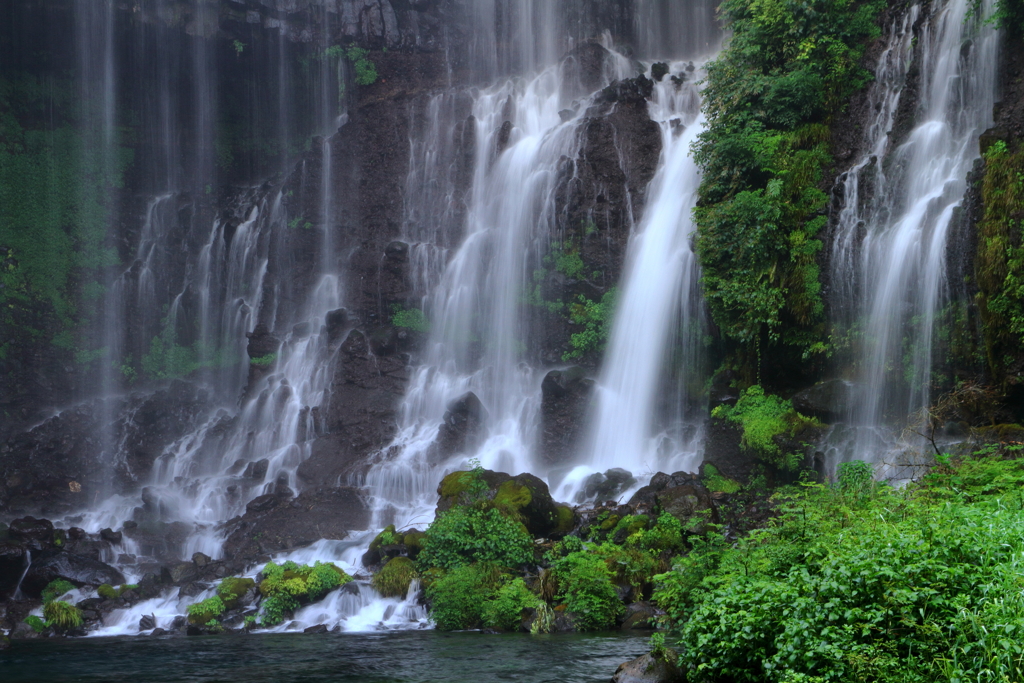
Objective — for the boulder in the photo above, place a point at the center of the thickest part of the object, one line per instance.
(607, 486)
(648, 669)
(50, 565)
(23, 631)
(640, 615)
(723, 450)
(111, 536)
(828, 401)
(147, 622)
(322, 512)
(38, 533)
(464, 426)
(524, 494)
(691, 504)
(565, 396)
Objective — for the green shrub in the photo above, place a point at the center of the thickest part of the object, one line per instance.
(457, 598)
(287, 586)
(464, 535)
(37, 624)
(596, 318)
(665, 535)
(585, 585)
(275, 607)
(886, 585)
(366, 71)
(505, 610)
(55, 589)
(789, 67)
(764, 417)
(393, 580)
(718, 483)
(202, 612)
(62, 615)
(232, 589)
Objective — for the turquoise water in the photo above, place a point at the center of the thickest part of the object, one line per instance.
(396, 657)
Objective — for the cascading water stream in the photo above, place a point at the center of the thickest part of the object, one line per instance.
(659, 304)
(889, 249)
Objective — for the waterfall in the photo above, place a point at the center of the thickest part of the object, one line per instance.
(659, 307)
(889, 247)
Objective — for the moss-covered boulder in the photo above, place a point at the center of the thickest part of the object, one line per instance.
(235, 591)
(523, 496)
(393, 580)
(691, 505)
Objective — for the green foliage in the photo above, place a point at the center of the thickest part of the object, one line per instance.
(393, 580)
(456, 598)
(544, 621)
(55, 589)
(286, 586)
(465, 534)
(999, 262)
(239, 47)
(862, 582)
(596, 318)
(202, 612)
(232, 589)
(716, 482)
(585, 585)
(366, 71)
(263, 361)
(389, 536)
(505, 610)
(665, 535)
(788, 68)
(275, 607)
(54, 211)
(37, 624)
(764, 417)
(62, 615)
(409, 318)
(107, 592)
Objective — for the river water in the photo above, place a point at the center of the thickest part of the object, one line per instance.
(419, 656)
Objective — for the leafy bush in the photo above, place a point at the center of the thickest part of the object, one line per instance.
(202, 612)
(55, 589)
(456, 598)
(596, 318)
(393, 580)
(585, 585)
(275, 607)
(792, 64)
(505, 610)
(366, 71)
(859, 581)
(37, 624)
(62, 615)
(763, 418)
(466, 534)
(287, 586)
(665, 535)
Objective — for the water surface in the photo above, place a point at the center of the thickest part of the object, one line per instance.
(395, 657)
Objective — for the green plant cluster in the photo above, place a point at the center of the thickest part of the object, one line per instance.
(366, 71)
(393, 580)
(108, 592)
(203, 612)
(585, 586)
(596, 318)
(61, 615)
(859, 581)
(466, 534)
(764, 418)
(769, 98)
(53, 210)
(55, 589)
(287, 586)
(475, 595)
(263, 361)
(1000, 257)
(409, 318)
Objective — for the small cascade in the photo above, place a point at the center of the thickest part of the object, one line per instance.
(633, 426)
(889, 250)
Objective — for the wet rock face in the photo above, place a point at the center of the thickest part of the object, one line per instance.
(322, 512)
(565, 398)
(50, 565)
(13, 561)
(648, 669)
(55, 466)
(464, 427)
(828, 401)
(722, 449)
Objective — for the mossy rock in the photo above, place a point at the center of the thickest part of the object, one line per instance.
(393, 580)
(566, 520)
(233, 590)
(107, 592)
(388, 536)
(524, 497)
(716, 482)
(413, 540)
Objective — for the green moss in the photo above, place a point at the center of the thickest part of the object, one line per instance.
(107, 592)
(413, 541)
(764, 418)
(62, 615)
(999, 263)
(301, 583)
(386, 537)
(232, 589)
(393, 580)
(204, 611)
(455, 484)
(512, 496)
(37, 624)
(609, 522)
(566, 519)
(55, 589)
(714, 480)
